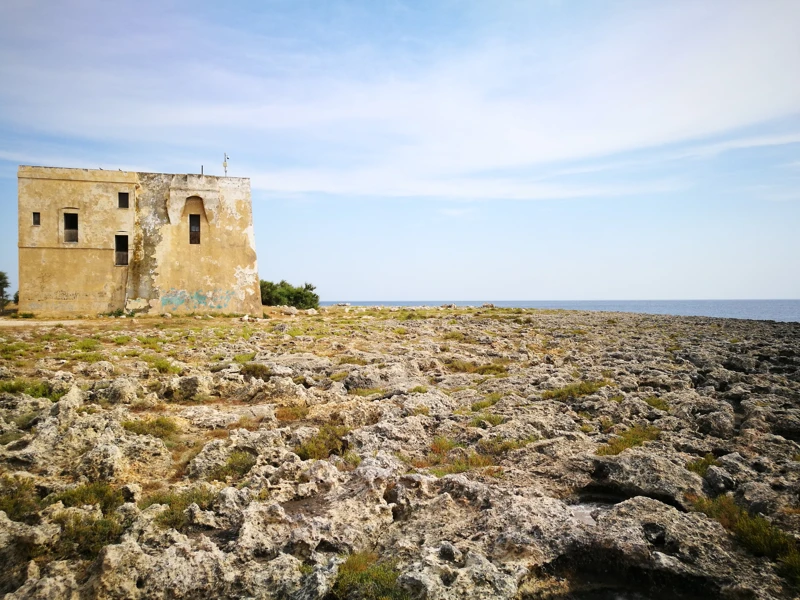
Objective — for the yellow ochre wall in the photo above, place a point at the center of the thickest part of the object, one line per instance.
(165, 272)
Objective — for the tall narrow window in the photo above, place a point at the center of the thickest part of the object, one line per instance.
(122, 198)
(121, 250)
(70, 227)
(194, 229)
(37, 218)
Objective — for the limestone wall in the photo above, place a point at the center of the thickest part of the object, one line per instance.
(165, 272)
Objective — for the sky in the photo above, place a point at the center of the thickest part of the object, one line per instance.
(440, 149)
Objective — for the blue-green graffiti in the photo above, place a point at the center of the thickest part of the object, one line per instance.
(210, 299)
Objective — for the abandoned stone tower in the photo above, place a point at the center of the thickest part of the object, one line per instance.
(94, 241)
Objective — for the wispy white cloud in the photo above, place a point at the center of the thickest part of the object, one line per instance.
(416, 128)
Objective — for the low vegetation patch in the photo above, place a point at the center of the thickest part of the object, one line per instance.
(366, 391)
(178, 502)
(160, 427)
(256, 371)
(237, 466)
(352, 360)
(328, 440)
(161, 364)
(754, 533)
(574, 390)
(487, 418)
(244, 358)
(83, 536)
(490, 400)
(463, 366)
(291, 413)
(635, 436)
(362, 576)
(657, 402)
(700, 466)
(420, 389)
(87, 345)
(500, 446)
(473, 460)
(18, 499)
(35, 389)
(106, 496)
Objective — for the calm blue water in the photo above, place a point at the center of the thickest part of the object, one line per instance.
(770, 310)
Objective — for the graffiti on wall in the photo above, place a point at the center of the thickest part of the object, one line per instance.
(199, 300)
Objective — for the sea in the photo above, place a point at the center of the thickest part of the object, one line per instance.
(761, 310)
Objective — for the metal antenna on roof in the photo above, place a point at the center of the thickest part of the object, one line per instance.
(225, 158)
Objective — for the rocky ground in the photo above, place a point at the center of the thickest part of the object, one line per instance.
(430, 453)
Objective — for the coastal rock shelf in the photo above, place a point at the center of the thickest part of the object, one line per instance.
(400, 453)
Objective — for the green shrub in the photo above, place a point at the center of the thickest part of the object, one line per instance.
(87, 345)
(454, 335)
(339, 376)
(490, 400)
(328, 440)
(461, 465)
(352, 360)
(635, 436)
(574, 390)
(362, 576)
(755, 534)
(178, 502)
(153, 343)
(421, 410)
(492, 419)
(18, 499)
(256, 371)
(121, 339)
(10, 436)
(237, 466)
(363, 392)
(109, 498)
(700, 466)
(161, 364)
(35, 389)
(463, 366)
(657, 402)
(83, 536)
(160, 427)
(420, 389)
(244, 358)
(285, 294)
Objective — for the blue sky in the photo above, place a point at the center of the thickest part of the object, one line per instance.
(442, 150)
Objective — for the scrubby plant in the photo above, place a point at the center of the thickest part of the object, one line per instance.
(177, 503)
(237, 465)
(160, 427)
(363, 392)
(18, 499)
(456, 336)
(10, 436)
(161, 364)
(420, 389)
(285, 294)
(490, 418)
(121, 339)
(35, 389)
(754, 533)
(657, 402)
(244, 358)
(291, 413)
(473, 460)
(701, 465)
(635, 436)
(574, 390)
(339, 376)
(362, 576)
(489, 400)
(83, 536)
(328, 440)
(463, 366)
(353, 360)
(106, 496)
(256, 371)
(87, 344)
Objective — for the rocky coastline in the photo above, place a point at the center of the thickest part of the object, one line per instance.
(429, 452)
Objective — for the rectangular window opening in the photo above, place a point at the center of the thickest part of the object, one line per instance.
(70, 227)
(37, 218)
(122, 197)
(194, 229)
(121, 250)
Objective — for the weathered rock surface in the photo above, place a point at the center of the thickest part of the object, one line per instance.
(477, 452)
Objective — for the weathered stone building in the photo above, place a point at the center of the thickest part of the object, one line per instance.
(94, 241)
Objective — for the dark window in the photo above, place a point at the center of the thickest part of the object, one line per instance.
(194, 229)
(37, 219)
(123, 199)
(70, 227)
(121, 250)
